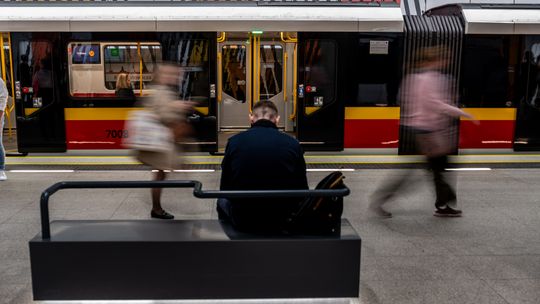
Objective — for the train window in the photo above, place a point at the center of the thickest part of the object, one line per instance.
(320, 72)
(234, 71)
(129, 58)
(377, 71)
(528, 84)
(271, 71)
(90, 76)
(486, 76)
(528, 95)
(192, 56)
(35, 73)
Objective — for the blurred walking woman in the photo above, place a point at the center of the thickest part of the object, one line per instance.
(429, 108)
(153, 133)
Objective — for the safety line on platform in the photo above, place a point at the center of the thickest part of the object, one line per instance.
(308, 162)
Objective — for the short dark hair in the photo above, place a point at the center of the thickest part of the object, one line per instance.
(265, 108)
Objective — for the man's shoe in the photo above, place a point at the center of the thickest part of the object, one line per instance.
(447, 212)
(3, 175)
(164, 215)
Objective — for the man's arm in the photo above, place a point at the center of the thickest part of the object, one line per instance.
(225, 170)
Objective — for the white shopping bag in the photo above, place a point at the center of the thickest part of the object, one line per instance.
(147, 133)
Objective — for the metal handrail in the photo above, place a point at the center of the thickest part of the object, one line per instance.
(197, 192)
(295, 84)
(219, 76)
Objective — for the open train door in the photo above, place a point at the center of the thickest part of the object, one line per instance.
(321, 111)
(38, 106)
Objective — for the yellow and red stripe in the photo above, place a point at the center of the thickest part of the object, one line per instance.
(99, 128)
(371, 127)
(95, 128)
(496, 128)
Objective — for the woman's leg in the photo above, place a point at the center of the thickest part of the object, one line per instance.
(157, 210)
(156, 192)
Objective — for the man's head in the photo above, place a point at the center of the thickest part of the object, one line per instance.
(264, 109)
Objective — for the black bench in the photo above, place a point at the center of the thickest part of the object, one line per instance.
(188, 259)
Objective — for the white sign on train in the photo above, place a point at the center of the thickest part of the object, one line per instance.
(378, 47)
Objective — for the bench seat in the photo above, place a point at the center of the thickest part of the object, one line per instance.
(189, 259)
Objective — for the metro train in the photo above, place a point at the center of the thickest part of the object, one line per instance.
(332, 68)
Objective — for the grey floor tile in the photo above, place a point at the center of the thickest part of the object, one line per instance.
(393, 227)
(428, 292)
(413, 268)
(526, 291)
(15, 294)
(504, 267)
(14, 250)
(401, 246)
(19, 231)
(15, 272)
(32, 214)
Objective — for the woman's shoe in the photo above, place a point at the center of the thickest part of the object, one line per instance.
(164, 215)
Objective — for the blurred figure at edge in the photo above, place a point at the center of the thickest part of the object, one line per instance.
(3, 103)
(429, 108)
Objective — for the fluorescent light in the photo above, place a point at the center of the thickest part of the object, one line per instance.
(190, 170)
(196, 170)
(468, 169)
(329, 170)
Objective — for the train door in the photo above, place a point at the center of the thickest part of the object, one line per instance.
(250, 70)
(527, 137)
(234, 96)
(321, 110)
(39, 112)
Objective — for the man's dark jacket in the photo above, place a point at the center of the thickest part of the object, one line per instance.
(261, 158)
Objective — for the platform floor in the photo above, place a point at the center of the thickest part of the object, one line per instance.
(490, 255)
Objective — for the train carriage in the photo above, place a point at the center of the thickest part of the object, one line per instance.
(304, 58)
(500, 74)
(333, 69)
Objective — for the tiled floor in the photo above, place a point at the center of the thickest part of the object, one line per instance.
(491, 255)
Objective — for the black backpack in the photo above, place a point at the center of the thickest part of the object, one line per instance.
(319, 215)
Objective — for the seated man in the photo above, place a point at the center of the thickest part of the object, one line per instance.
(261, 158)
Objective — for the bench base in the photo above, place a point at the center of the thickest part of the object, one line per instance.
(193, 259)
